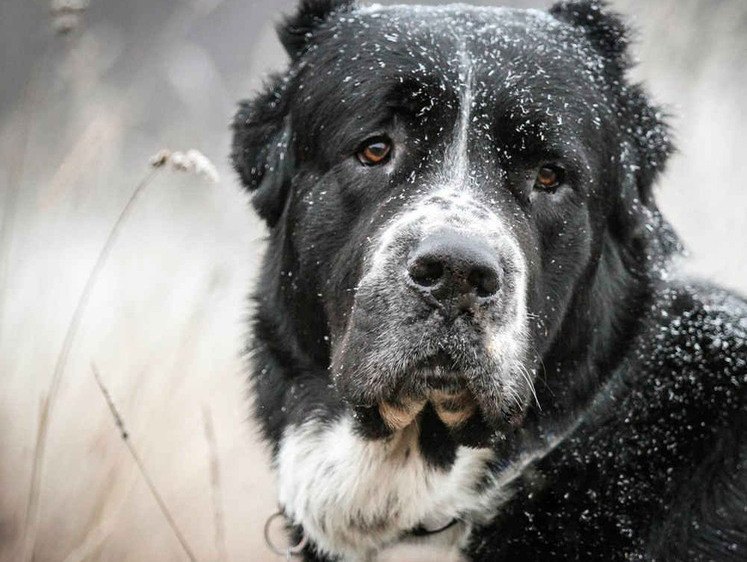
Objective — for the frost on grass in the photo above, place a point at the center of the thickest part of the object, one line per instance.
(193, 162)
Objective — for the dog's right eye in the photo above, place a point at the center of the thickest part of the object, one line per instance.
(549, 177)
(375, 151)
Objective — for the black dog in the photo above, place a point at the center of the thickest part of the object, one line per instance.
(466, 333)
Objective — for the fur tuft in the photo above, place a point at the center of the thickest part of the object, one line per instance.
(295, 30)
(260, 149)
(605, 30)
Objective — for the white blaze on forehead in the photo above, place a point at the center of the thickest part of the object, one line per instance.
(457, 159)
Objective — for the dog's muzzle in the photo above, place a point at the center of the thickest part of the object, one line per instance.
(438, 319)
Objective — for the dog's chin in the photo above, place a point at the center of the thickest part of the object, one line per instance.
(446, 376)
(433, 389)
(464, 424)
(453, 406)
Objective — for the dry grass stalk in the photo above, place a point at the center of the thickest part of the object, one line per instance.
(119, 421)
(31, 524)
(215, 484)
(194, 162)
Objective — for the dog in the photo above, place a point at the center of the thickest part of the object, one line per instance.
(467, 329)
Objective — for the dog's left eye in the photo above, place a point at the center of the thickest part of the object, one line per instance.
(549, 177)
(375, 151)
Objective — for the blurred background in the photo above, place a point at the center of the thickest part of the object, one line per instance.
(90, 91)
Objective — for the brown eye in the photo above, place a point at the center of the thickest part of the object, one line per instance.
(375, 152)
(549, 177)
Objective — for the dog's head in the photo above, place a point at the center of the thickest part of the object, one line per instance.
(445, 186)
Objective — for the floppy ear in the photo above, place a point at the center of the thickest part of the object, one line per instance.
(644, 144)
(262, 132)
(604, 29)
(260, 153)
(643, 126)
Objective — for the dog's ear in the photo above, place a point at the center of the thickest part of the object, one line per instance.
(650, 138)
(604, 29)
(260, 152)
(295, 31)
(643, 125)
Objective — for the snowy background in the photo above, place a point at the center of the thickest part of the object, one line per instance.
(80, 116)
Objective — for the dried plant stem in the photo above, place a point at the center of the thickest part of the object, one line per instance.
(215, 484)
(141, 467)
(31, 525)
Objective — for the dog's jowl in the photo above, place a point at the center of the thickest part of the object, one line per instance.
(467, 333)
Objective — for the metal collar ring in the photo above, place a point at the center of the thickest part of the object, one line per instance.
(289, 551)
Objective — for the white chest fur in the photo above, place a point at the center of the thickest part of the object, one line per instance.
(355, 497)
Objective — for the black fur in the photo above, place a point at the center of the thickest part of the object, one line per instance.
(296, 31)
(649, 371)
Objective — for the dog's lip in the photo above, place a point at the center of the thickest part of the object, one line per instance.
(454, 408)
(454, 405)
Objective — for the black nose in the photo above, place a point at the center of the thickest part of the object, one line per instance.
(448, 266)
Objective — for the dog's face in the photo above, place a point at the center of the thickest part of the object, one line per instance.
(441, 183)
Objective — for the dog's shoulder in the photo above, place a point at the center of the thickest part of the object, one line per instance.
(695, 334)
(697, 367)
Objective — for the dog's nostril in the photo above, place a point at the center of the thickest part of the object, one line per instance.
(484, 281)
(426, 272)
